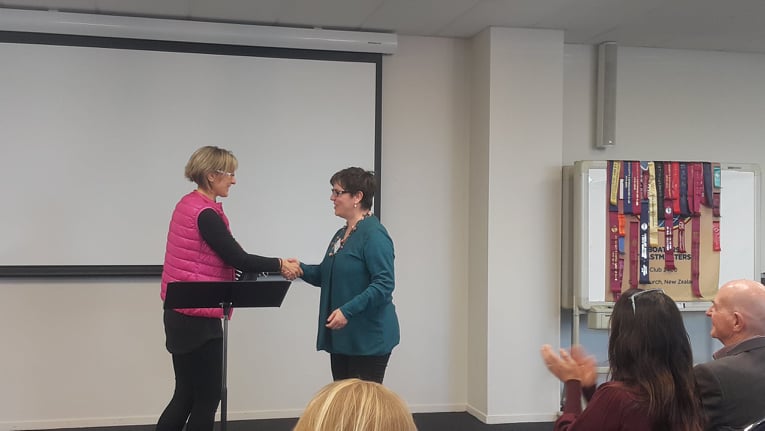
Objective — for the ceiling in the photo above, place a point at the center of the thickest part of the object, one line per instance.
(727, 25)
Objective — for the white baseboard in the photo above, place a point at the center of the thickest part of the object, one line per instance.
(75, 423)
(521, 418)
(478, 414)
(437, 408)
(263, 414)
(511, 418)
(134, 420)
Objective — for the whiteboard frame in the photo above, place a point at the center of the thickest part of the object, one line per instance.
(577, 258)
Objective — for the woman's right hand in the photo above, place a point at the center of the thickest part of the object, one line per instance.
(291, 268)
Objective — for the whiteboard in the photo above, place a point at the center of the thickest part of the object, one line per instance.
(95, 140)
(585, 248)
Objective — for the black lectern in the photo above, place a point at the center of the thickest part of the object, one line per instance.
(226, 295)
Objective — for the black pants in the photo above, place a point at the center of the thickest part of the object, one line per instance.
(371, 368)
(198, 382)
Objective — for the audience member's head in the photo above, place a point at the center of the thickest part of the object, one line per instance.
(356, 405)
(648, 348)
(738, 311)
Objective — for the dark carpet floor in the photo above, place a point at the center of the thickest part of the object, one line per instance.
(451, 421)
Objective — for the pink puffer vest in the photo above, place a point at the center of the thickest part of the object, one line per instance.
(187, 256)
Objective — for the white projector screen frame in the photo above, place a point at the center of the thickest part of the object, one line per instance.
(96, 132)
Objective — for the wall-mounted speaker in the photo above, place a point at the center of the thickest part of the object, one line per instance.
(605, 123)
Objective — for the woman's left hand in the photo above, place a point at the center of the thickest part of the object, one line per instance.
(336, 320)
(567, 367)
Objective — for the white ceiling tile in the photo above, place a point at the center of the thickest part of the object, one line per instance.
(62, 5)
(243, 11)
(417, 17)
(499, 13)
(693, 24)
(731, 25)
(344, 14)
(164, 8)
(585, 20)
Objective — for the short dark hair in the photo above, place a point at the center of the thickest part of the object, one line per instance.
(357, 180)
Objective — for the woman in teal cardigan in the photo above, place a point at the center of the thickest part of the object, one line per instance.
(358, 325)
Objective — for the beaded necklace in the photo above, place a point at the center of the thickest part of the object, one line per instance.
(339, 241)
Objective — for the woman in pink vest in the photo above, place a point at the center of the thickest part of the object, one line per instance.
(200, 247)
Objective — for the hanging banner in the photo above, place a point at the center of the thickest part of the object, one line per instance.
(662, 228)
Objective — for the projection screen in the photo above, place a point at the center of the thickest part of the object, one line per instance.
(95, 134)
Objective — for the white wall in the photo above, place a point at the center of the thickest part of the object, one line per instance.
(424, 163)
(524, 199)
(671, 105)
(478, 227)
(76, 350)
(83, 353)
(91, 352)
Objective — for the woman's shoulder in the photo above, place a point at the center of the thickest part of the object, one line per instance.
(373, 227)
(617, 390)
(372, 223)
(614, 386)
(618, 405)
(197, 201)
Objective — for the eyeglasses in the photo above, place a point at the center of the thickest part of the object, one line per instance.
(228, 174)
(337, 193)
(632, 298)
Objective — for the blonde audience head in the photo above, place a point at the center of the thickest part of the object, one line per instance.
(356, 405)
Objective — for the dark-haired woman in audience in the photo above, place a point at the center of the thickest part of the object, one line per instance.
(652, 387)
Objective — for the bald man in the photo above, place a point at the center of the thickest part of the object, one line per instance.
(732, 387)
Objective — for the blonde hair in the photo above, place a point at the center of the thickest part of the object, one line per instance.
(356, 405)
(207, 160)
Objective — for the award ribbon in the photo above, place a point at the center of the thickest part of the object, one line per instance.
(669, 249)
(634, 252)
(653, 207)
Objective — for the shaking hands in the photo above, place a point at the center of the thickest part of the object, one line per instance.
(291, 268)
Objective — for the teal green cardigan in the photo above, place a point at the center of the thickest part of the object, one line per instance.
(358, 280)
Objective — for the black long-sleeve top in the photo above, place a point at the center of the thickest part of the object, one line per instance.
(187, 333)
(217, 236)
